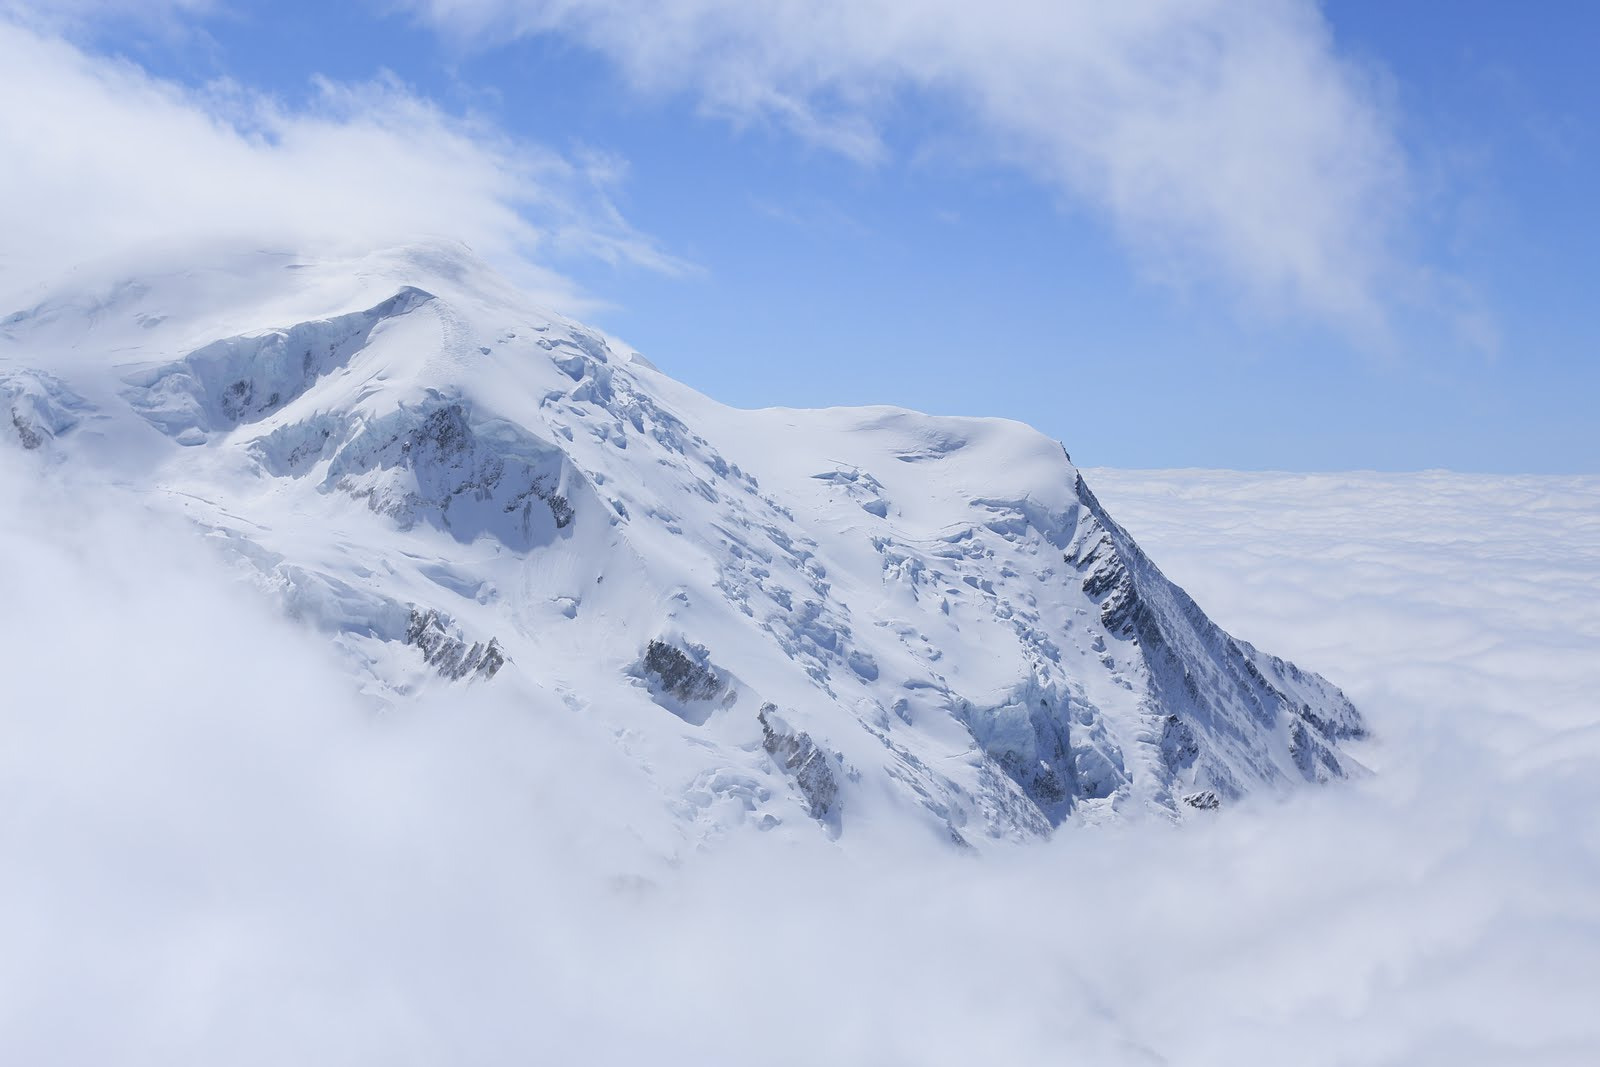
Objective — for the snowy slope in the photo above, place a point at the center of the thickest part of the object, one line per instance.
(852, 620)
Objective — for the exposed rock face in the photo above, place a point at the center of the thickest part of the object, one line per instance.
(446, 651)
(809, 766)
(39, 405)
(1219, 701)
(677, 674)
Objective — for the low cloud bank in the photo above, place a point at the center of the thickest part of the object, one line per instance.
(215, 851)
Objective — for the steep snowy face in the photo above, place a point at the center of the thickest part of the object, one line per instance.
(863, 620)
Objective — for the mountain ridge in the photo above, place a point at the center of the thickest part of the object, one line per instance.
(922, 620)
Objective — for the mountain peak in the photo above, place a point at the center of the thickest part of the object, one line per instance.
(852, 617)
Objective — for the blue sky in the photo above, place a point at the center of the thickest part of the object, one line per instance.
(853, 216)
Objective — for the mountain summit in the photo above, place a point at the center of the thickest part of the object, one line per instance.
(795, 620)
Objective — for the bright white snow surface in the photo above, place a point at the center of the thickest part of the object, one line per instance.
(216, 847)
(954, 640)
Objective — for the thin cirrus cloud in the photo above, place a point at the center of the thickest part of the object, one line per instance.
(146, 163)
(1225, 141)
(66, 14)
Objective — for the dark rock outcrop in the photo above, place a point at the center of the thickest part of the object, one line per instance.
(41, 406)
(677, 674)
(801, 758)
(1220, 700)
(446, 651)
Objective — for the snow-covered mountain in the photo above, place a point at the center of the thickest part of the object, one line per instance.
(792, 619)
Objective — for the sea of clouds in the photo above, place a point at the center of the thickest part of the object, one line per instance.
(213, 850)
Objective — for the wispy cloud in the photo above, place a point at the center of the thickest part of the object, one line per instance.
(1225, 141)
(67, 13)
(101, 158)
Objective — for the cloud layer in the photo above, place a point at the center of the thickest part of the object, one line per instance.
(102, 158)
(214, 852)
(1226, 141)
